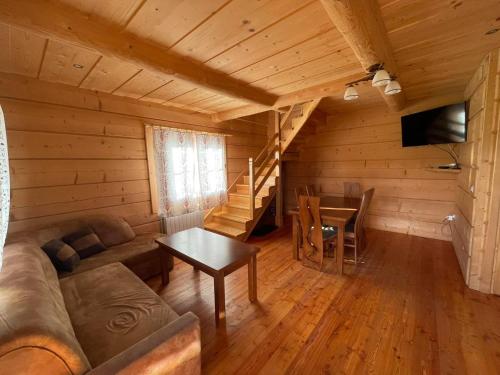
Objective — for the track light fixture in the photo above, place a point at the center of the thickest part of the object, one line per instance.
(379, 77)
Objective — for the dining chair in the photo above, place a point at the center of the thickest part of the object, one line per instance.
(310, 190)
(352, 189)
(355, 236)
(299, 190)
(315, 239)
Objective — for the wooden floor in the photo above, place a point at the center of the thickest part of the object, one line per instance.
(405, 310)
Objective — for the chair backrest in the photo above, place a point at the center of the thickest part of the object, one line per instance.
(312, 234)
(352, 189)
(310, 190)
(360, 219)
(299, 190)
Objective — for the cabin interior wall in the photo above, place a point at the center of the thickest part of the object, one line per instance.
(75, 152)
(475, 231)
(365, 146)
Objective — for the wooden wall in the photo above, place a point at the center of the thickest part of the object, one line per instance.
(475, 232)
(74, 152)
(365, 146)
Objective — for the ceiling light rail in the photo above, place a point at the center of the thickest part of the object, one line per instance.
(379, 78)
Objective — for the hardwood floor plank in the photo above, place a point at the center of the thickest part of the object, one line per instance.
(404, 310)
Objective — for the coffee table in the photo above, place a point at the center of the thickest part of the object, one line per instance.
(217, 256)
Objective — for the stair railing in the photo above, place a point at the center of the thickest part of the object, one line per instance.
(264, 153)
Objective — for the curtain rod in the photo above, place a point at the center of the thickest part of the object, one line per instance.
(187, 130)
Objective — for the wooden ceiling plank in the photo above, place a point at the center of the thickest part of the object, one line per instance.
(166, 22)
(310, 20)
(345, 73)
(319, 91)
(363, 28)
(66, 64)
(330, 63)
(311, 49)
(141, 85)
(108, 74)
(118, 12)
(170, 91)
(72, 26)
(234, 23)
(22, 52)
(192, 97)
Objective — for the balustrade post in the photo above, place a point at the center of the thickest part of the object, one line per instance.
(251, 186)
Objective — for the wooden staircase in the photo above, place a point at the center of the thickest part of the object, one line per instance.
(257, 185)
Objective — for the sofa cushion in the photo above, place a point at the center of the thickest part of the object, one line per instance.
(141, 248)
(33, 317)
(63, 256)
(112, 309)
(111, 230)
(85, 242)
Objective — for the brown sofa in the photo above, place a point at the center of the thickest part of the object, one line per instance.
(141, 254)
(101, 321)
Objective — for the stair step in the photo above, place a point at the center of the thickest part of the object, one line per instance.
(242, 206)
(225, 230)
(231, 220)
(244, 189)
(271, 181)
(229, 216)
(243, 203)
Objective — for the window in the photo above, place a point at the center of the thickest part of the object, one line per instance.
(189, 170)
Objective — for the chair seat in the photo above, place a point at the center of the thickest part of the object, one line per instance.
(328, 232)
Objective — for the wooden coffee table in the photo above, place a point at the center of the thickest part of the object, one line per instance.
(215, 255)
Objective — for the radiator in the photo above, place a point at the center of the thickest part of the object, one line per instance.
(171, 225)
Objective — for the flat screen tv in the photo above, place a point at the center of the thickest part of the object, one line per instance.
(441, 125)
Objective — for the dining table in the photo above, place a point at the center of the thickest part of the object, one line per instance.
(334, 211)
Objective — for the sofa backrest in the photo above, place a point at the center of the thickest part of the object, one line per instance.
(58, 230)
(36, 335)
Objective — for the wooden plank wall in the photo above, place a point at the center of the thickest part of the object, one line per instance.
(365, 146)
(475, 233)
(75, 152)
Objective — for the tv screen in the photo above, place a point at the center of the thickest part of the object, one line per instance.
(441, 125)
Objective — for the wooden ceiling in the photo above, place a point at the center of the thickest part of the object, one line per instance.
(284, 48)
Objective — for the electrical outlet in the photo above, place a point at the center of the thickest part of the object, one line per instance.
(450, 218)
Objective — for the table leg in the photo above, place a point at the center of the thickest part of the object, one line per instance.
(220, 299)
(295, 237)
(165, 279)
(252, 279)
(340, 249)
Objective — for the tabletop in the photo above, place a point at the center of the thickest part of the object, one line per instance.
(210, 249)
(335, 209)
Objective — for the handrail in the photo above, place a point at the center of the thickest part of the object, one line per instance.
(264, 179)
(251, 187)
(287, 114)
(266, 160)
(243, 172)
(271, 141)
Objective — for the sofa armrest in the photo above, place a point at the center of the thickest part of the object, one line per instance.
(173, 349)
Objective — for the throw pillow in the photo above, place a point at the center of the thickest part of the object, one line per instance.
(85, 242)
(111, 230)
(63, 256)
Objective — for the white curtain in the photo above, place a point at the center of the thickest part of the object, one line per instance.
(190, 171)
(4, 185)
